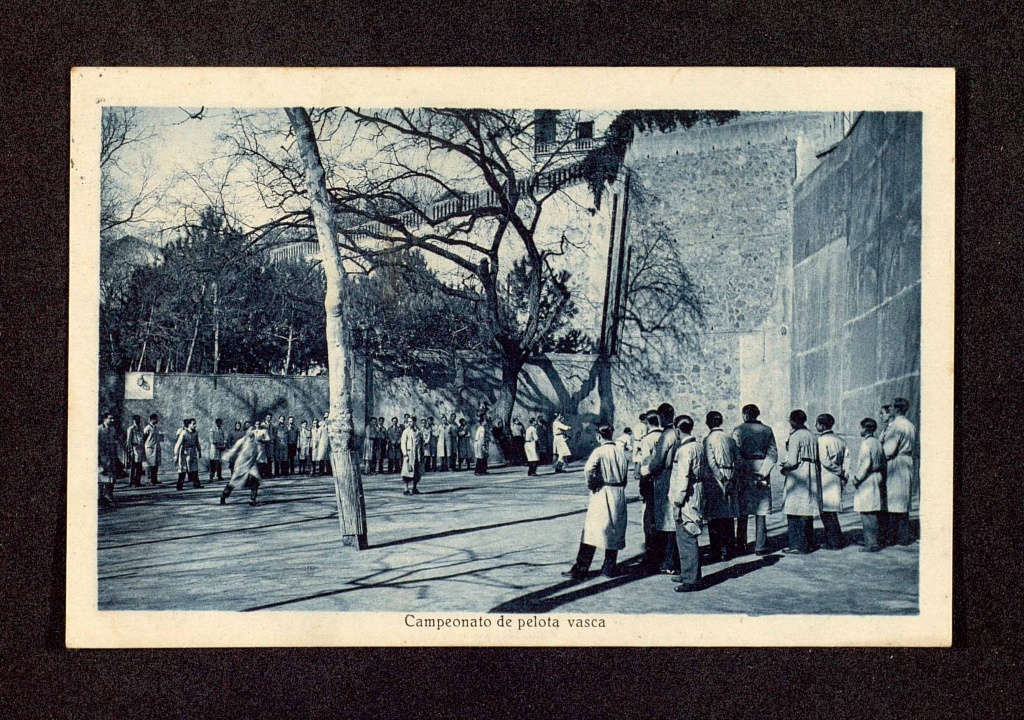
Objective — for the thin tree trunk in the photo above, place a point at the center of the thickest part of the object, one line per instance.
(216, 333)
(145, 341)
(347, 480)
(192, 345)
(288, 355)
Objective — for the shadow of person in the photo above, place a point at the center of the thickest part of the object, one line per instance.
(738, 570)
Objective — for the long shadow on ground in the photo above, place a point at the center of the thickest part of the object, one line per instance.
(551, 598)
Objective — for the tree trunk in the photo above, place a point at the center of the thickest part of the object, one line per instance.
(288, 355)
(347, 480)
(216, 333)
(506, 400)
(192, 345)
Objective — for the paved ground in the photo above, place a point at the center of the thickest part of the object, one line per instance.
(468, 543)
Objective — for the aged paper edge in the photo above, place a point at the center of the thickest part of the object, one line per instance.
(930, 91)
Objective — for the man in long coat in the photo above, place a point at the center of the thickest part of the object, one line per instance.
(268, 444)
(245, 468)
(559, 441)
(658, 467)
(444, 442)
(720, 492)
(530, 448)
(832, 455)
(218, 444)
(304, 446)
(394, 447)
(187, 451)
(465, 445)
(291, 435)
(898, 441)
(690, 475)
(869, 482)
(802, 491)
(481, 445)
(107, 455)
(757, 455)
(412, 456)
(644, 448)
(605, 526)
(153, 437)
(264, 448)
(135, 451)
(281, 447)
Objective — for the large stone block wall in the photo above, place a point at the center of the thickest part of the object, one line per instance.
(727, 196)
(857, 274)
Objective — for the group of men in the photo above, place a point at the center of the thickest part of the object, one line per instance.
(724, 478)
(279, 449)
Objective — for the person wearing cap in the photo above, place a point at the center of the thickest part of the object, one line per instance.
(720, 493)
(689, 477)
(802, 489)
(898, 441)
(605, 526)
(869, 483)
(832, 454)
(757, 454)
(658, 467)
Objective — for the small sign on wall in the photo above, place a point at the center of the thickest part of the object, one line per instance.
(138, 386)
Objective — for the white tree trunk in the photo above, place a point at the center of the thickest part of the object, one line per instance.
(348, 482)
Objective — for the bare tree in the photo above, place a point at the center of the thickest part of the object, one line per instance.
(457, 185)
(348, 482)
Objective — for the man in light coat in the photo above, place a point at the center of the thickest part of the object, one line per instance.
(481, 445)
(244, 468)
(605, 526)
(652, 548)
(869, 482)
(412, 456)
(135, 451)
(264, 448)
(187, 452)
(720, 493)
(657, 466)
(686, 491)
(560, 443)
(152, 438)
(530, 447)
(757, 455)
(218, 444)
(898, 441)
(832, 455)
(802, 491)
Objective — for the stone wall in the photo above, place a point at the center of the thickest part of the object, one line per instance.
(857, 274)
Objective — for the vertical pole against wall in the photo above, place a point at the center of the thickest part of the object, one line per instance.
(603, 349)
(618, 270)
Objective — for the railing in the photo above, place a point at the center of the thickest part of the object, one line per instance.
(569, 146)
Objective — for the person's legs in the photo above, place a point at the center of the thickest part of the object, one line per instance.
(670, 556)
(740, 546)
(797, 534)
(608, 567)
(809, 533)
(226, 493)
(869, 522)
(902, 533)
(181, 480)
(582, 565)
(153, 471)
(193, 477)
(833, 531)
(761, 534)
(688, 550)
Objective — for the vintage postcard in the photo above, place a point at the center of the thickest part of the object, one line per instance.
(504, 356)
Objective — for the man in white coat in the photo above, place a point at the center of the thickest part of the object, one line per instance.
(898, 441)
(530, 447)
(605, 526)
(412, 456)
(802, 491)
(560, 443)
(686, 491)
(832, 455)
(657, 466)
(481, 445)
(152, 438)
(869, 482)
(720, 492)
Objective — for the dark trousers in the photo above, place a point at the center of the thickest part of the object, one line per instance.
(135, 474)
(669, 551)
(263, 468)
(834, 539)
(760, 533)
(215, 467)
(586, 555)
(720, 534)
(106, 493)
(801, 532)
(869, 521)
(688, 551)
(531, 468)
(481, 466)
(153, 470)
(293, 450)
(896, 529)
(651, 547)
